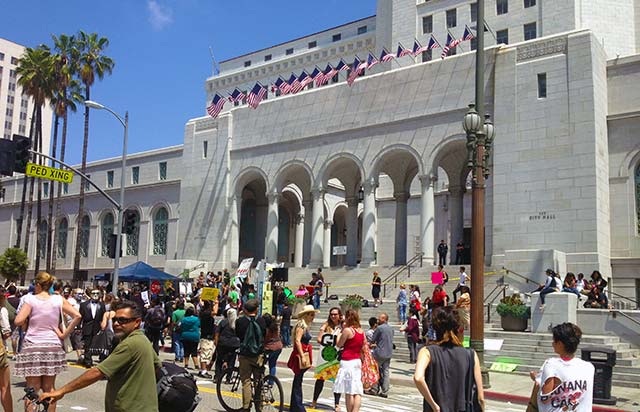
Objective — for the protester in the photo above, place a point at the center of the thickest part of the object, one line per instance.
(445, 362)
(154, 323)
(376, 284)
(301, 356)
(250, 367)
(129, 369)
(5, 377)
(565, 382)
(272, 343)
(462, 281)
(42, 356)
(285, 324)
(403, 303)
(412, 332)
(349, 378)
(190, 336)
(176, 322)
(382, 343)
(207, 332)
(92, 312)
(445, 275)
(439, 297)
(331, 327)
(226, 342)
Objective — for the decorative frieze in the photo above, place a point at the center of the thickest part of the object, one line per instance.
(542, 48)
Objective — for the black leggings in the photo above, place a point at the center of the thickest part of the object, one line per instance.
(317, 390)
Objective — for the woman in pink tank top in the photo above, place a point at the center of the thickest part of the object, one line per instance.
(42, 356)
(349, 378)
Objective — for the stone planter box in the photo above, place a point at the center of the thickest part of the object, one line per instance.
(344, 308)
(513, 324)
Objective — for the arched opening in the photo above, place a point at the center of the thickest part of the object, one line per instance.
(252, 189)
(85, 231)
(160, 231)
(62, 232)
(105, 233)
(339, 234)
(43, 231)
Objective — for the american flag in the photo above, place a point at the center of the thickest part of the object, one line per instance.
(371, 61)
(418, 48)
(402, 51)
(288, 84)
(328, 73)
(355, 71)
(236, 96)
(216, 105)
(297, 84)
(306, 80)
(342, 66)
(316, 72)
(386, 56)
(468, 34)
(256, 95)
(433, 43)
(278, 85)
(447, 46)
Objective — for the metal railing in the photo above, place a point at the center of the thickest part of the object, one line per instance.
(499, 290)
(611, 293)
(527, 279)
(624, 315)
(393, 277)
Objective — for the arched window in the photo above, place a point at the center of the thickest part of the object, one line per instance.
(63, 229)
(637, 180)
(106, 232)
(160, 231)
(85, 229)
(42, 239)
(133, 238)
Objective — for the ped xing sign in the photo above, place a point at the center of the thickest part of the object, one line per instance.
(50, 173)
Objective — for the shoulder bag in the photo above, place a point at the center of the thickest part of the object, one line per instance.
(471, 395)
(370, 374)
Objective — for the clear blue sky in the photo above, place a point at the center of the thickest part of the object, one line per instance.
(161, 51)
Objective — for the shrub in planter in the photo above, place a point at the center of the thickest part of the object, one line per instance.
(296, 304)
(351, 302)
(514, 313)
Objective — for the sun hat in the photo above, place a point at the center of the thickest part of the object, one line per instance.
(306, 310)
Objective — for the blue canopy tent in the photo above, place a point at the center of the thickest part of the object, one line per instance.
(141, 272)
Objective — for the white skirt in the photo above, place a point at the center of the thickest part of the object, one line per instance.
(349, 379)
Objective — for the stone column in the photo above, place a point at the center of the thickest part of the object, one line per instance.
(306, 239)
(352, 231)
(401, 228)
(234, 231)
(427, 219)
(456, 215)
(369, 224)
(299, 245)
(326, 247)
(317, 235)
(271, 245)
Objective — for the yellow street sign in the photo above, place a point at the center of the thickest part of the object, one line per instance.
(50, 173)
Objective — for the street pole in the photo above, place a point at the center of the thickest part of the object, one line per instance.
(116, 259)
(477, 209)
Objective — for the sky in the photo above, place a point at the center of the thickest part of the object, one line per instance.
(162, 57)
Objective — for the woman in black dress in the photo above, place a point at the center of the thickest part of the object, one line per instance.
(375, 289)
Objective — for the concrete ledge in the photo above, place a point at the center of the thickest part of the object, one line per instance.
(610, 322)
(560, 307)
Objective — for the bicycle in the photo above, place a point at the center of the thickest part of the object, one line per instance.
(269, 397)
(34, 404)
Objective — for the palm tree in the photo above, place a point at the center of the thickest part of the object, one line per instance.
(36, 71)
(66, 94)
(92, 63)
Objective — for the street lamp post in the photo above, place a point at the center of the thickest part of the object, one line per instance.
(125, 124)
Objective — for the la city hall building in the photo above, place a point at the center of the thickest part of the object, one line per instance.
(381, 165)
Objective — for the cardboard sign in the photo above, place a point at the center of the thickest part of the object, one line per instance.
(145, 297)
(209, 294)
(503, 367)
(243, 269)
(436, 278)
(267, 299)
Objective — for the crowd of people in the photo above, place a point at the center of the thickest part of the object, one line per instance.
(592, 290)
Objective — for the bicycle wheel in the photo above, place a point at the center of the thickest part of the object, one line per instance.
(271, 395)
(229, 390)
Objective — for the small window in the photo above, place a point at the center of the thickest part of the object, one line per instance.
(336, 37)
(289, 51)
(45, 189)
(205, 149)
(502, 36)
(427, 55)
(87, 185)
(65, 188)
(452, 18)
(162, 170)
(1, 56)
(427, 24)
(362, 30)
(247, 63)
(135, 175)
(335, 78)
(530, 31)
(313, 44)
(14, 60)
(542, 85)
(12, 74)
(474, 12)
(529, 3)
(110, 179)
(502, 7)
(3, 193)
(267, 57)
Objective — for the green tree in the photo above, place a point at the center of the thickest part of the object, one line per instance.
(13, 264)
(93, 63)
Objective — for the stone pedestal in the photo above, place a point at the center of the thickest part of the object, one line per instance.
(559, 308)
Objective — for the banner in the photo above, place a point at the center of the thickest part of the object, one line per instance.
(209, 294)
(243, 269)
(267, 299)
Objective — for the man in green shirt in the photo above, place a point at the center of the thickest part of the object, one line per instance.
(130, 369)
(176, 339)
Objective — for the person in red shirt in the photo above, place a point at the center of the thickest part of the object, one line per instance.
(439, 297)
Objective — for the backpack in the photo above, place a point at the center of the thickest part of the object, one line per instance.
(11, 311)
(251, 346)
(156, 319)
(177, 389)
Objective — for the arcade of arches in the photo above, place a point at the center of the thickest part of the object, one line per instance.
(385, 215)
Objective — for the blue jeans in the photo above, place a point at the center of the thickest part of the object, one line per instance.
(572, 290)
(316, 301)
(273, 360)
(402, 312)
(296, 404)
(544, 292)
(279, 307)
(178, 347)
(285, 334)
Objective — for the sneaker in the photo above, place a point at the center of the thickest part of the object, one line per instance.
(204, 375)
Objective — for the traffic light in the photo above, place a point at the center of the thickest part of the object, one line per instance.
(7, 157)
(113, 238)
(22, 144)
(130, 221)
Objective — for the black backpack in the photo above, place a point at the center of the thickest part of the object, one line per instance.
(177, 389)
(251, 345)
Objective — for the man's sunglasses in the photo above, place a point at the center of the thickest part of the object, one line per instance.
(123, 321)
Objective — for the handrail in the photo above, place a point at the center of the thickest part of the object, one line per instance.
(527, 279)
(614, 311)
(395, 273)
(624, 297)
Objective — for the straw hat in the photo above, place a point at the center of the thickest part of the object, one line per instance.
(306, 310)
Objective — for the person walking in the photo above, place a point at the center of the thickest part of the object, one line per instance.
(445, 362)
(285, 324)
(443, 249)
(403, 303)
(154, 323)
(206, 346)
(190, 336)
(42, 356)
(462, 281)
(250, 367)
(129, 369)
(333, 328)
(563, 382)
(382, 343)
(272, 343)
(301, 355)
(376, 284)
(412, 332)
(464, 308)
(92, 312)
(226, 342)
(176, 323)
(349, 378)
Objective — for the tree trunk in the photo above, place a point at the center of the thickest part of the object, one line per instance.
(24, 191)
(51, 191)
(85, 143)
(63, 148)
(36, 148)
(39, 194)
